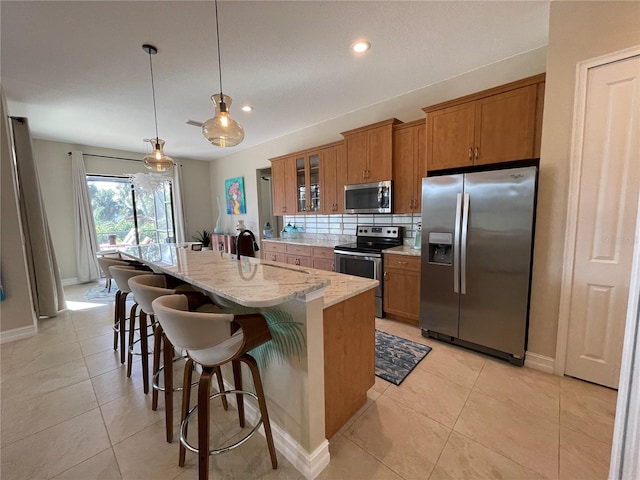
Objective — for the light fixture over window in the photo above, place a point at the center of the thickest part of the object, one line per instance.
(222, 130)
(156, 160)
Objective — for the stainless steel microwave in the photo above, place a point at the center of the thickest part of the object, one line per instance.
(368, 197)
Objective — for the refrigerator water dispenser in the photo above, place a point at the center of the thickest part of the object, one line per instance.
(440, 248)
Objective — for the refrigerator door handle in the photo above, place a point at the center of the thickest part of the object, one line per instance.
(463, 241)
(456, 246)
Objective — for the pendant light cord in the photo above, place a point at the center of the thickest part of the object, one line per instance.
(218, 42)
(153, 92)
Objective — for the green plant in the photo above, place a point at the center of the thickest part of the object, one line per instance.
(203, 237)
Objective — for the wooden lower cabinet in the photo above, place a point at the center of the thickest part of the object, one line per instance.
(402, 288)
(299, 255)
(349, 358)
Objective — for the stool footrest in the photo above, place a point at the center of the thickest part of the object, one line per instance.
(216, 451)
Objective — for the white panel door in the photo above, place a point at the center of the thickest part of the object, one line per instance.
(607, 206)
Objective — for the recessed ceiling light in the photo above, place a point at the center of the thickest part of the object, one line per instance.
(360, 47)
(247, 108)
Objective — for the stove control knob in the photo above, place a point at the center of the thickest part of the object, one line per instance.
(388, 231)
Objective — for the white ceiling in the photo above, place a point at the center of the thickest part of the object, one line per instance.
(77, 70)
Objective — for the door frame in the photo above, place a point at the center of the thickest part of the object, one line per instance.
(575, 168)
(626, 437)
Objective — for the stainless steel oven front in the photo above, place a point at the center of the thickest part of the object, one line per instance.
(360, 264)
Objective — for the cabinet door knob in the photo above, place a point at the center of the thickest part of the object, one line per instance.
(470, 153)
(476, 153)
(386, 278)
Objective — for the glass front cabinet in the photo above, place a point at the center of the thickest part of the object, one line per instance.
(308, 182)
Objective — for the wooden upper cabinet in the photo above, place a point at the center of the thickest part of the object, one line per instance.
(450, 137)
(332, 179)
(409, 166)
(308, 182)
(498, 125)
(283, 191)
(504, 126)
(369, 152)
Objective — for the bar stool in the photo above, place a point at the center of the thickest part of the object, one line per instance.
(105, 263)
(211, 340)
(147, 288)
(121, 274)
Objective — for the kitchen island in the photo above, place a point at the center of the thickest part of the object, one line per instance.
(311, 396)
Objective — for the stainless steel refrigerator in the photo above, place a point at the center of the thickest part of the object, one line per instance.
(477, 239)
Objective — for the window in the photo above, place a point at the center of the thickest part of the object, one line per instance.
(128, 215)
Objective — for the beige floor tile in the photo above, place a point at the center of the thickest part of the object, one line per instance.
(147, 455)
(101, 467)
(349, 461)
(56, 449)
(115, 384)
(431, 395)
(128, 415)
(463, 458)
(21, 419)
(511, 431)
(537, 392)
(29, 358)
(45, 381)
(250, 460)
(94, 329)
(455, 364)
(588, 408)
(104, 362)
(583, 457)
(93, 345)
(404, 440)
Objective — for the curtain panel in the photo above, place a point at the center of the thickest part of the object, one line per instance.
(46, 285)
(85, 230)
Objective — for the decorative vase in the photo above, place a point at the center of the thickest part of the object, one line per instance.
(218, 228)
(241, 226)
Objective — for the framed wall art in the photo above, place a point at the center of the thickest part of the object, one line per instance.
(234, 192)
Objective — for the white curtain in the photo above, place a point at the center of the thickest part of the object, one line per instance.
(85, 230)
(46, 286)
(178, 210)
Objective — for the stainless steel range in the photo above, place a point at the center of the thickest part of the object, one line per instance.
(364, 257)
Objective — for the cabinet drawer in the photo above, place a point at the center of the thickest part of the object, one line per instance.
(274, 247)
(403, 262)
(302, 250)
(274, 256)
(299, 261)
(323, 264)
(323, 252)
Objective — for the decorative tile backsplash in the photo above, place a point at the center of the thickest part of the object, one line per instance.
(346, 224)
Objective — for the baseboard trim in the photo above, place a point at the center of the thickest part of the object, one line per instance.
(70, 281)
(540, 362)
(17, 334)
(308, 464)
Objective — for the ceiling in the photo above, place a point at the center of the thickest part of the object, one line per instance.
(78, 72)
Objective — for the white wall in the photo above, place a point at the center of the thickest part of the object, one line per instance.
(16, 311)
(54, 172)
(406, 107)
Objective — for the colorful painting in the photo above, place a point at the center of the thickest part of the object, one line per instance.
(235, 195)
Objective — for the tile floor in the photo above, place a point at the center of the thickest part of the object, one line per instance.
(69, 412)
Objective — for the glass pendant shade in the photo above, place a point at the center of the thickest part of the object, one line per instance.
(222, 130)
(157, 160)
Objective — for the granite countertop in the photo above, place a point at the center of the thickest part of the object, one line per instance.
(341, 286)
(251, 282)
(403, 250)
(311, 242)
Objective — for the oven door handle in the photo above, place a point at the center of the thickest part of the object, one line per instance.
(358, 254)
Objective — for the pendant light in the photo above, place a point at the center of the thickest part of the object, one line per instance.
(222, 130)
(156, 160)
